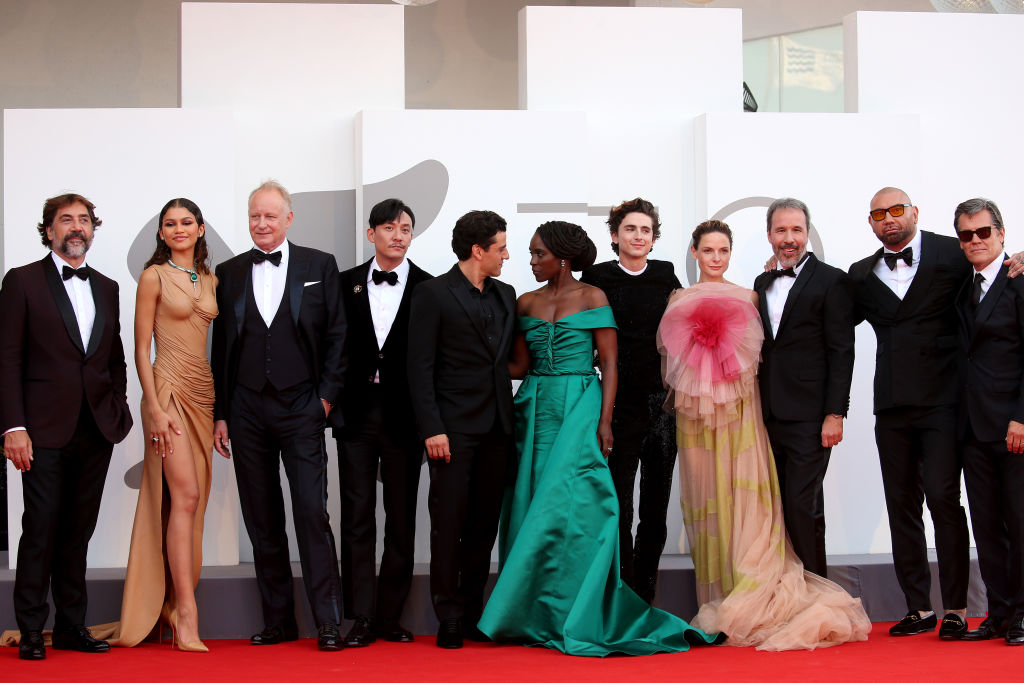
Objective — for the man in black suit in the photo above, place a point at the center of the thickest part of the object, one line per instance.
(376, 297)
(63, 406)
(806, 368)
(907, 291)
(991, 429)
(460, 337)
(278, 371)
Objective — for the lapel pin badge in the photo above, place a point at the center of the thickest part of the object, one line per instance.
(357, 289)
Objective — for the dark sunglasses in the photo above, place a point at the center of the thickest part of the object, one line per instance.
(896, 210)
(983, 233)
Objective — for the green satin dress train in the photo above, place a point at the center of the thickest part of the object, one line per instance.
(559, 583)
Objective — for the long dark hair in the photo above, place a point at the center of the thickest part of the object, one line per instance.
(162, 253)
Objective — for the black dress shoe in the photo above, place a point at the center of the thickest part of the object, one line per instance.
(392, 632)
(78, 638)
(272, 635)
(953, 627)
(475, 634)
(987, 630)
(329, 638)
(32, 645)
(913, 624)
(449, 634)
(360, 634)
(1015, 631)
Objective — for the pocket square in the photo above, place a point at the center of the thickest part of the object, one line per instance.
(315, 282)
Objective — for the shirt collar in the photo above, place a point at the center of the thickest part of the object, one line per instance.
(992, 270)
(800, 266)
(914, 244)
(283, 248)
(59, 261)
(402, 269)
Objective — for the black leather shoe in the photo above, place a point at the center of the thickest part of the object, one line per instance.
(32, 645)
(360, 634)
(449, 634)
(78, 638)
(953, 627)
(272, 635)
(1015, 631)
(329, 638)
(475, 634)
(987, 630)
(913, 624)
(392, 632)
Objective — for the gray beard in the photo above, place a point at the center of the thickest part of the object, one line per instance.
(74, 251)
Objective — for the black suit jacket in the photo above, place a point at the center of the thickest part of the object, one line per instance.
(44, 368)
(363, 357)
(806, 370)
(457, 383)
(992, 339)
(916, 363)
(316, 312)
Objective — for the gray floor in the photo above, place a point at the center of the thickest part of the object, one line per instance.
(229, 605)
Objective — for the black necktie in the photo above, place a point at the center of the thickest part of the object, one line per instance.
(774, 275)
(976, 291)
(380, 276)
(69, 272)
(892, 257)
(259, 257)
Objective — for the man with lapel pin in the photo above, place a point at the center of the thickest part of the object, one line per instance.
(63, 406)
(376, 297)
(806, 369)
(278, 371)
(991, 425)
(461, 330)
(907, 291)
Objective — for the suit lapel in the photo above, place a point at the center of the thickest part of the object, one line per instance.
(880, 292)
(298, 266)
(60, 296)
(963, 311)
(987, 304)
(462, 296)
(761, 287)
(363, 302)
(243, 284)
(100, 304)
(508, 298)
(806, 273)
(922, 283)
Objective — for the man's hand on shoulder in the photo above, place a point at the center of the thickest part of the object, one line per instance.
(437, 447)
(18, 449)
(1016, 263)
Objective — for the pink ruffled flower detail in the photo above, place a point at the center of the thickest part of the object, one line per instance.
(706, 335)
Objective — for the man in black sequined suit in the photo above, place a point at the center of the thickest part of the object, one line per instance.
(638, 289)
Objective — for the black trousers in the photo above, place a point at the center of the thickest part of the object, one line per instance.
(465, 504)
(62, 494)
(995, 486)
(920, 462)
(644, 437)
(389, 445)
(801, 463)
(267, 428)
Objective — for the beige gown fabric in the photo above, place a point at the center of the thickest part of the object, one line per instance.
(184, 386)
(750, 583)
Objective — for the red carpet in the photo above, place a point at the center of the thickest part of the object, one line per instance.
(880, 658)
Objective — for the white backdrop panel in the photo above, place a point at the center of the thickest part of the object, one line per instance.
(495, 160)
(129, 162)
(824, 160)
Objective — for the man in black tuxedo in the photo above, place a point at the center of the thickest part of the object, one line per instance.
(907, 291)
(806, 368)
(460, 337)
(377, 296)
(63, 406)
(991, 428)
(278, 371)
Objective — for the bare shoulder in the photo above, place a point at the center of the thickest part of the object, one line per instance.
(594, 296)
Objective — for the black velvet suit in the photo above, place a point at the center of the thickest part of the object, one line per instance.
(916, 371)
(378, 431)
(461, 386)
(72, 400)
(992, 340)
(283, 424)
(805, 375)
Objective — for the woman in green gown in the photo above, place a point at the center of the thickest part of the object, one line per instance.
(559, 582)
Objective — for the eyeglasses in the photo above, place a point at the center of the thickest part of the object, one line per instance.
(896, 210)
(983, 233)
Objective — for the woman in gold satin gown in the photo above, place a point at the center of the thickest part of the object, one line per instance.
(175, 305)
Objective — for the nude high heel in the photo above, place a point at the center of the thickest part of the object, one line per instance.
(171, 616)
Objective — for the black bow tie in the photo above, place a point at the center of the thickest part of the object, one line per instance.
(380, 276)
(892, 257)
(259, 257)
(774, 275)
(69, 272)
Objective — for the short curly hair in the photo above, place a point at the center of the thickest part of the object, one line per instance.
(570, 242)
(637, 205)
(55, 204)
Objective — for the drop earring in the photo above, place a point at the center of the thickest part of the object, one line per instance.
(563, 264)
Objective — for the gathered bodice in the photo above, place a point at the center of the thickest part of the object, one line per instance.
(566, 346)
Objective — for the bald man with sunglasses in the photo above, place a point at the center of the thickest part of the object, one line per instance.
(907, 290)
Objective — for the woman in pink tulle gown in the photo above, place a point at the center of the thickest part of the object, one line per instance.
(750, 583)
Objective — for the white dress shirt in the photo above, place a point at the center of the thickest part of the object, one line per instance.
(384, 302)
(990, 272)
(901, 277)
(777, 294)
(268, 283)
(80, 293)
